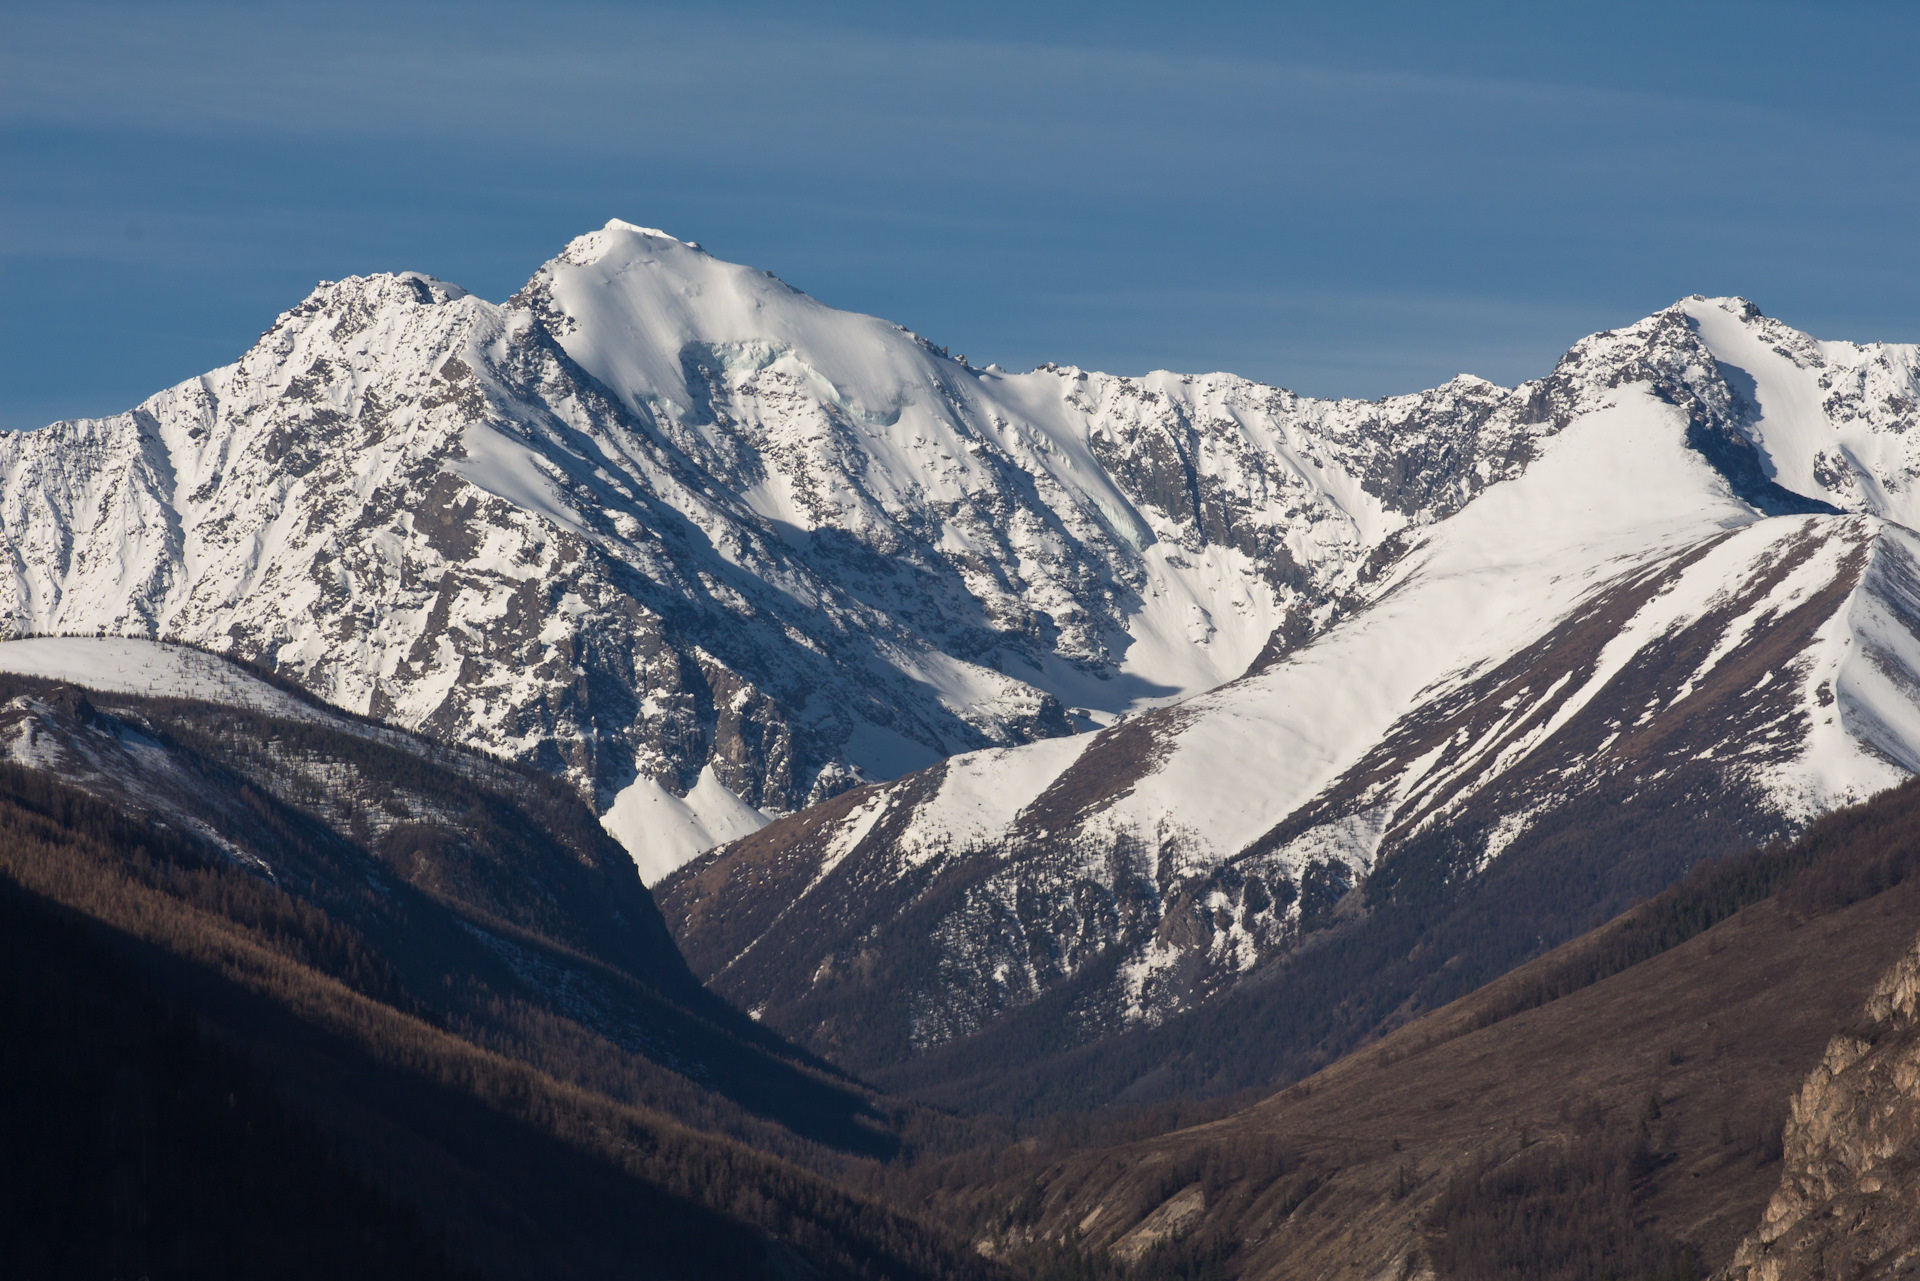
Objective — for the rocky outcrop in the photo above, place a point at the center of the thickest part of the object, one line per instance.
(1848, 1205)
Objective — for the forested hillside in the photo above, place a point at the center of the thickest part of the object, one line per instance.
(244, 1015)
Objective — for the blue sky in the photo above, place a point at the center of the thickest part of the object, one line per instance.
(1342, 199)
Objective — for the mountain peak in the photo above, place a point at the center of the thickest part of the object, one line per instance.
(433, 287)
(1732, 304)
(621, 224)
(374, 290)
(660, 516)
(621, 239)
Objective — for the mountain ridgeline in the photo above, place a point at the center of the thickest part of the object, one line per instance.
(661, 777)
(716, 551)
(709, 548)
(1634, 653)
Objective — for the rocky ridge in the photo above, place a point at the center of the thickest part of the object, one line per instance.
(719, 553)
(710, 548)
(1672, 605)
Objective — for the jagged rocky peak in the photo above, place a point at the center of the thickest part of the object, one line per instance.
(714, 549)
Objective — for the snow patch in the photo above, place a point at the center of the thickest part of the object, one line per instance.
(981, 793)
(662, 831)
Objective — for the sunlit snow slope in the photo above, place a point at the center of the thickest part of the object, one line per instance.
(117, 665)
(718, 551)
(708, 546)
(1675, 599)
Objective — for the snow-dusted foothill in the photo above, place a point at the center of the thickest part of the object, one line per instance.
(709, 547)
(119, 665)
(1687, 581)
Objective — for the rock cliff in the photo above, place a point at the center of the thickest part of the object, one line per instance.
(1848, 1205)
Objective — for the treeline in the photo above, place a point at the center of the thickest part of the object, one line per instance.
(541, 946)
(1241, 1178)
(1575, 1206)
(1562, 1211)
(1430, 933)
(485, 827)
(38, 812)
(1176, 1259)
(482, 1127)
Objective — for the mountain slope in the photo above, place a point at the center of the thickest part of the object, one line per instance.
(489, 894)
(1849, 1199)
(1645, 619)
(711, 548)
(718, 551)
(432, 975)
(1612, 1108)
(136, 1147)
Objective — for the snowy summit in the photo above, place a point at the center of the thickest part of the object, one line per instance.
(718, 551)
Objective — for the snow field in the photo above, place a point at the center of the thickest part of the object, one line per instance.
(118, 665)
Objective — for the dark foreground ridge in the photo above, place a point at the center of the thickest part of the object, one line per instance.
(362, 1054)
(138, 1145)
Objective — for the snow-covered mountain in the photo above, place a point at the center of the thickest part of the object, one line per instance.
(1162, 668)
(1693, 594)
(711, 548)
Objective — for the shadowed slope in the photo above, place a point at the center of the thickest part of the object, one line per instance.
(465, 1017)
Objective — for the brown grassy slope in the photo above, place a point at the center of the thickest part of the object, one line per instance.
(1546, 1125)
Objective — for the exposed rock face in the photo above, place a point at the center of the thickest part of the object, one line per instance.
(674, 529)
(718, 552)
(1849, 1198)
